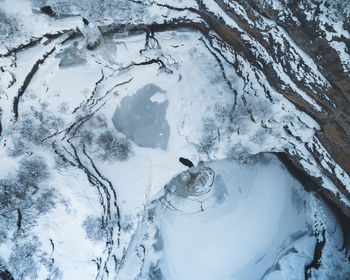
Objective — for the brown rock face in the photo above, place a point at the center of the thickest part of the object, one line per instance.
(334, 120)
(300, 25)
(334, 99)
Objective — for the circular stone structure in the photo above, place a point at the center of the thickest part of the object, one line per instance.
(191, 190)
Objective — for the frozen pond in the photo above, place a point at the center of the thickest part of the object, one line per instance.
(71, 56)
(241, 224)
(141, 117)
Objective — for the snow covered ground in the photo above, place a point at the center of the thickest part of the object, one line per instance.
(93, 153)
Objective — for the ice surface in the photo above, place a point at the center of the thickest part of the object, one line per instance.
(71, 56)
(142, 118)
(92, 34)
(254, 216)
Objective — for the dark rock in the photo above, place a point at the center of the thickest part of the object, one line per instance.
(316, 262)
(85, 21)
(48, 10)
(5, 274)
(186, 162)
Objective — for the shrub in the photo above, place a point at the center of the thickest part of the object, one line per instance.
(112, 147)
(94, 228)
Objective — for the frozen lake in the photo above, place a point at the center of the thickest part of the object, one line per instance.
(252, 215)
(141, 117)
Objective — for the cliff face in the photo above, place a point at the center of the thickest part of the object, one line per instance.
(319, 30)
(307, 25)
(80, 81)
(302, 50)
